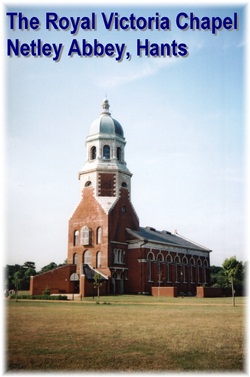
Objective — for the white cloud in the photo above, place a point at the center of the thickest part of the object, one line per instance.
(137, 72)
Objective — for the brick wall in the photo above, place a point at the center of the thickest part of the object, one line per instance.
(164, 291)
(208, 292)
(57, 281)
(121, 217)
(88, 213)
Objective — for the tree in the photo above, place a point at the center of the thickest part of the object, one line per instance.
(27, 270)
(17, 280)
(98, 284)
(234, 270)
(218, 277)
(10, 270)
(48, 267)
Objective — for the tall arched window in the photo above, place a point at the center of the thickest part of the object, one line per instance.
(199, 265)
(192, 264)
(106, 152)
(159, 259)
(118, 255)
(99, 259)
(76, 237)
(168, 260)
(87, 259)
(75, 259)
(93, 153)
(176, 262)
(185, 263)
(99, 235)
(119, 154)
(150, 259)
(85, 235)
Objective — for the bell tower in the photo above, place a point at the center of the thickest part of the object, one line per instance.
(97, 238)
(105, 167)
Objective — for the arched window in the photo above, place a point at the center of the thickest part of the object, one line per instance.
(76, 237)
(93, 153)
(87, 259)
(184, 268)
(192, 261)
(150, 258)
(118, 255)
(176, 262)
(168, 260)
(99, 235)
(192, 264)
(88, 183)
(177, 259)
(199, 265)
(160, 257)
(99, 259)
(119, 154)
(184, 260)
(106, 152)
(85, 236)
(75, 258)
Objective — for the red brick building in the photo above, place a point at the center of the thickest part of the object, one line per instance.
(105, 235)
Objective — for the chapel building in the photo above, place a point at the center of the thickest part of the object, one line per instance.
(105, 237)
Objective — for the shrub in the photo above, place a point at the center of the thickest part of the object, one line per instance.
(46, 292)
(39, 297)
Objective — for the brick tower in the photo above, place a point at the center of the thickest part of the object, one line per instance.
(97, 229)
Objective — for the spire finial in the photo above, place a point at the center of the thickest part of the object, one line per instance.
(105, 106)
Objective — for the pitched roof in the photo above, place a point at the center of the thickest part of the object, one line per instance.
(164, 237)
(90, 272)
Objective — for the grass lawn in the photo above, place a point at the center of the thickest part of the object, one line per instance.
(126, 333)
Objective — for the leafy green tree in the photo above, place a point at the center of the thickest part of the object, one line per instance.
(28, 270)
(17, 280)
(9, 275)
(218, 277)
(48, 267)
(234, 270)
(25, 271)
(98, 284)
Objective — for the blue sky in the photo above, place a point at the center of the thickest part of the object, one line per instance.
(183, 119)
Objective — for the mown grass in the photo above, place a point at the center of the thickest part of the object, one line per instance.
(132, 333)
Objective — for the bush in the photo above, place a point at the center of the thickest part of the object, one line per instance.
(39, 297)
(46, 292)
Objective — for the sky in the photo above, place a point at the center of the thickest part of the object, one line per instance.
(184, 121)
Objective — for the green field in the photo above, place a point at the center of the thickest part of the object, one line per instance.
(126, 333)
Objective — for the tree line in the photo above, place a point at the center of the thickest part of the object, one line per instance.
(232, 275)
(18, 276)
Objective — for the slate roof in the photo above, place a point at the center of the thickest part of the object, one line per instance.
(90, 272)
(164, 237)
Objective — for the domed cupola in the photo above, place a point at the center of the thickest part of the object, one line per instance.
(105, 168)
(105, 124)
